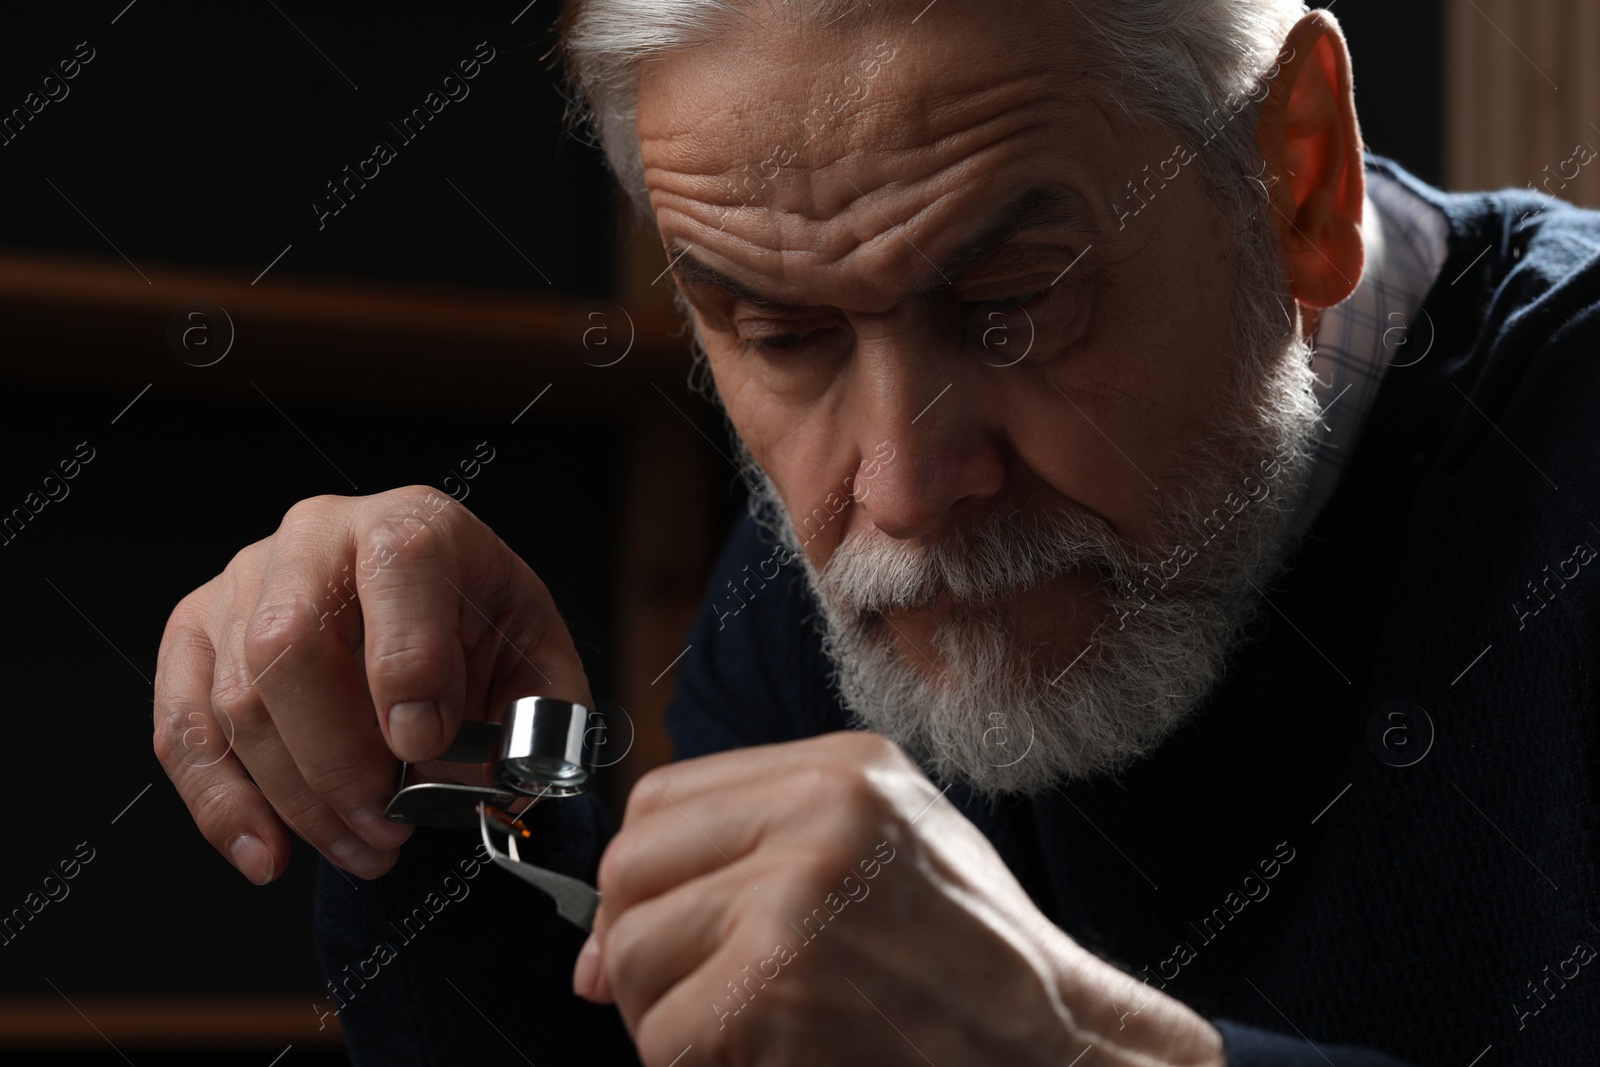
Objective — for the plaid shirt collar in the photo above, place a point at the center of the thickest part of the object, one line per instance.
(1357, 340)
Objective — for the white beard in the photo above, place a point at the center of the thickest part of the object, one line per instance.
(1006, 716)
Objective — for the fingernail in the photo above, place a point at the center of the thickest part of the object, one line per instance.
(377, 831)
(587, 972)
(359, 858)
(253, 858)
(415, 728)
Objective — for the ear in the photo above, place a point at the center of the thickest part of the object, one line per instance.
(1311, 148)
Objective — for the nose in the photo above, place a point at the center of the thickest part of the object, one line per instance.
(933, 447)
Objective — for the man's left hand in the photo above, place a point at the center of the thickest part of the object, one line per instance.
(821, 902)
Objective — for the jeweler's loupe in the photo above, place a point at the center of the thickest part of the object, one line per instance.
(541, 748)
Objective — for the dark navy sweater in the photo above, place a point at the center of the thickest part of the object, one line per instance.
(1377, 842)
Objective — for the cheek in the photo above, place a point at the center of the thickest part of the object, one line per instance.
(802, 447)
(1110, 426)
(1151, 377)
(1073, 448)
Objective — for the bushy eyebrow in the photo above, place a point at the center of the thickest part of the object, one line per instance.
(1038, 207)
(691, 272)
(1035, 208)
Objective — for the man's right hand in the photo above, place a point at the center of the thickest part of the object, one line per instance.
(361, 633)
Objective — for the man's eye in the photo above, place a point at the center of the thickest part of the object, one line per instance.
(1003, 331)
(1010, 303)
(778, 343)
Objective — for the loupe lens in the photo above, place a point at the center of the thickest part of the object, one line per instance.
(544, 747)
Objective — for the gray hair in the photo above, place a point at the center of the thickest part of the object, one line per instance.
(1192, 65)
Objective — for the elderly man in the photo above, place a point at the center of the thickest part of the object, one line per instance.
(1165, 628)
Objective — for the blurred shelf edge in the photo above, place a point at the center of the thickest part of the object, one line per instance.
(98, 321)
(168, 1022)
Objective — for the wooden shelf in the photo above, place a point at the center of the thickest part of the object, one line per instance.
(91, 1022)
(98, 320)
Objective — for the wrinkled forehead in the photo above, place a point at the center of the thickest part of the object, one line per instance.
(899, 104)
(871, 74)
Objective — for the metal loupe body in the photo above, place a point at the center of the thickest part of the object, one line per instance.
(540, 748)
(545, 750)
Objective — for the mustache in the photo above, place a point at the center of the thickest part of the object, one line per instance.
(984, 562)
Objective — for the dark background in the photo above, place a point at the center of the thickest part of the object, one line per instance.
(200, 135)
(203, 134)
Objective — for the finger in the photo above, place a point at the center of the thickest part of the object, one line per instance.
(293, 675)
(589, 974)
(434, 581)
(814, 795)
(407, 571)
(724, 1010)
(276, 777)
(586, 971)
(195, 749)
(825, 760)
(653, 946)
(656, 853)
(686, 818)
